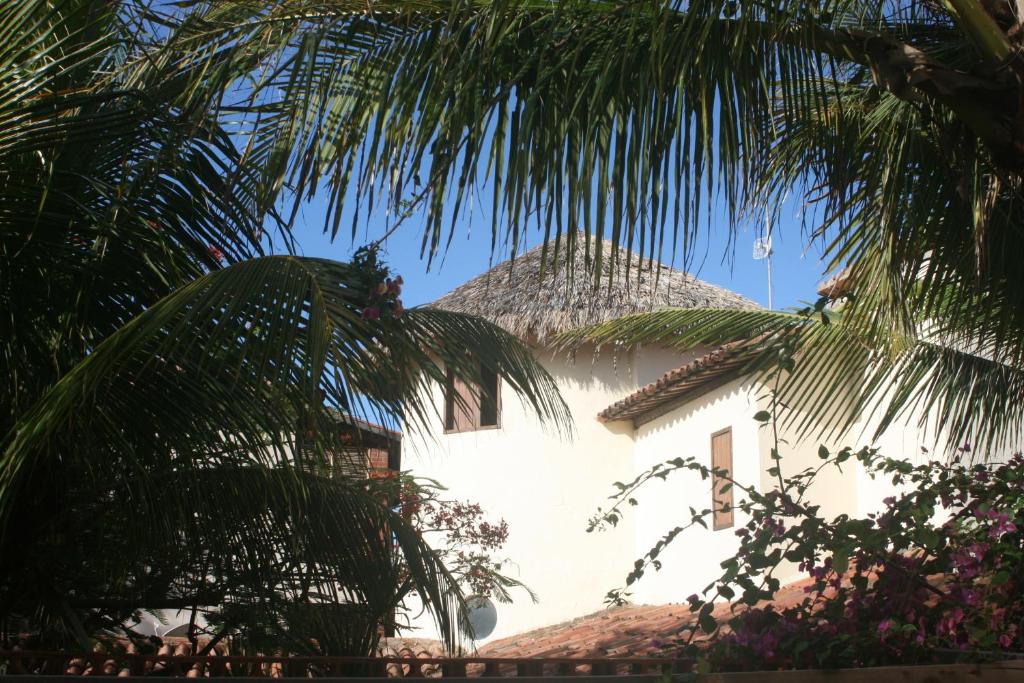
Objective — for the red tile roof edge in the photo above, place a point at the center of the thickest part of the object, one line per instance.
(627, 631)
(692, 378)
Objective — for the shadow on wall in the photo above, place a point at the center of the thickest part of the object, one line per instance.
(588, 369)
(684, 413)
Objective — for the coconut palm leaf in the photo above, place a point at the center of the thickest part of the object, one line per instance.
(897, 123)
(173, 396)
(532, 92)
(227, 384)
(295, 539)
(110, 198)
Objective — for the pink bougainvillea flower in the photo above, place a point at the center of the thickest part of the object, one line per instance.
(1002, 524)
(371, 313)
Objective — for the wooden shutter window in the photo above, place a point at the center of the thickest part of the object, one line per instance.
(461, 406)
(721, 459)
(468, 408)
(490, 404)
(449, 402)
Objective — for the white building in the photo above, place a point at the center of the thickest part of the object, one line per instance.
(631, 410)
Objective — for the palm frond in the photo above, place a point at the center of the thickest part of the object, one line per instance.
(240, 376)
(635, 120)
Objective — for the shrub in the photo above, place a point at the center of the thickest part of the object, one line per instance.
(937, 573)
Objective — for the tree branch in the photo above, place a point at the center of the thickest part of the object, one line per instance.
(987, 107)
(982, 29)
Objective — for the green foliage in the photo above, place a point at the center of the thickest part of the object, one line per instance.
(460, 538)
(177, 380)
(934, 575)
(896, 126)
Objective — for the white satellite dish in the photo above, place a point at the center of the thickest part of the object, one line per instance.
(483, 616)
(145, 627)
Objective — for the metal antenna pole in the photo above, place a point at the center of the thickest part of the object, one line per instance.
(768, 254)
(763, 250)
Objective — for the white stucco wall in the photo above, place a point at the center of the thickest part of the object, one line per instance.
(912, 439)
(547, 487)
(834, 490)
(692, 560)
(852, 490)
(903, 440)
(651, 362)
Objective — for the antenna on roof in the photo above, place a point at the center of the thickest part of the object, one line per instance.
(763, 251)
(763, 245)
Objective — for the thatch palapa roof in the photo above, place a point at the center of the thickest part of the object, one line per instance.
(534, 297)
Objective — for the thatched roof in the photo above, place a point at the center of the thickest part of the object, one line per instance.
(533, 302)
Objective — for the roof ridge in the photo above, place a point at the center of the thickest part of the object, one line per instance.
(688, 380)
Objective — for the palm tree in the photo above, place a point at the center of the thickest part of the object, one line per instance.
(174, 372)
(899, 124)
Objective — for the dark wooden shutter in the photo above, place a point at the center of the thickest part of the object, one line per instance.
(461, 406)
(721, 459)
(490, 398)
(449, 402)
(468, 407)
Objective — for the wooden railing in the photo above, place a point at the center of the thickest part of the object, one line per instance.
(18, 662)
(53, 667)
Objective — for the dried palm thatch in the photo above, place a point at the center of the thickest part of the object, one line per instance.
(534, 295)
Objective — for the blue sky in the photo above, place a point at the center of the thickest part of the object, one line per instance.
(796, 269)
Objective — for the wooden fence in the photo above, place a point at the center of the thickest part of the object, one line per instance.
(53, 667)
(105, 664)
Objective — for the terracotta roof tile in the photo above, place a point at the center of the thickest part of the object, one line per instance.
(688, 381)
(628, 631)
(838, 286)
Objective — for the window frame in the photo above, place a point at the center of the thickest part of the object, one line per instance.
(452, 385)
(722, 520)
(497, 403)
